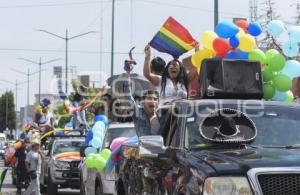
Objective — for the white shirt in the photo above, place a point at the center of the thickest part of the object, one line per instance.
(35, 161)
(171, 92)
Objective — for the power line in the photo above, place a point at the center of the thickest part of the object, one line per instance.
(54, 5)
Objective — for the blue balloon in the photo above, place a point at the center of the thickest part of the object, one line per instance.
(89, 137)
(238, 54)
(96, 143)
(294, 34)
(90, 150)
(102, 118)
(234, 41)
(280, 96)
(290, 49)
(254, 28)
(226, 29)
(291, 69)
(275, 28)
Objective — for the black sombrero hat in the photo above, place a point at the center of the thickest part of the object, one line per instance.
(228, 126)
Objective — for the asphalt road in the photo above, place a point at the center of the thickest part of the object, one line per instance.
(9, 189)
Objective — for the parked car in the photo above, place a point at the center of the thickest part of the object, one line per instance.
(94, 182)
(61, 166)
(182, 160)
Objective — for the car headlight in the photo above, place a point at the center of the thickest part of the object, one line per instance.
(227, 186)
(62, 165)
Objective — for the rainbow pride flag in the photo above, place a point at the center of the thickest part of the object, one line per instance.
(173, 38)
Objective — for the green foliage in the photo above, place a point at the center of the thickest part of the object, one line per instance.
(7, 109)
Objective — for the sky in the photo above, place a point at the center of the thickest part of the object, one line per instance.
(136, 22)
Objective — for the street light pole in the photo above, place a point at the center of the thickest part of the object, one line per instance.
(66, 38)
(112, 37)
(40, 63)
(28, 74)
(216, 13)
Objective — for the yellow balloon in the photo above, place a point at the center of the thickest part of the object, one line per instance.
(240, 33)
(247, 43)
(207, 38)
(200, 55)
(66, 103)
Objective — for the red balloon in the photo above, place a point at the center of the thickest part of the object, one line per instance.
(243, 24)
(221, 47)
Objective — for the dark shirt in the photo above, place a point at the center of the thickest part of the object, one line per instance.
(21, 155)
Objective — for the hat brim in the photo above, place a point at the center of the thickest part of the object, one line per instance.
(210, 127)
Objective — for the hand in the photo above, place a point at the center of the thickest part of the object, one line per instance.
(147, 51)
(197, 47)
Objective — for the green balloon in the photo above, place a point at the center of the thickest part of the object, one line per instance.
(105, 153)
(290, 97)
(269, 91)
(282, 82)
(257, 55)
(269, 54)
(267, 74)
(90, 161)
(277, 62)
(100, 163)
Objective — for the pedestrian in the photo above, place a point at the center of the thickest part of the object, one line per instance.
(33, 166)
(173, 84)
(18, 165)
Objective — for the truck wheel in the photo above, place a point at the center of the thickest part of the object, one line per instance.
(52, 188)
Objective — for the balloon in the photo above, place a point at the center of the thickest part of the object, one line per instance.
(269, 54)
(269, 91)
(117, 142)
(243, 24)
(90, 161)
(257, 55)
(98, 126)
(100, 163)
(238, 54)
(221, 47)
(207, 39)
(294, 34)
(247, 43)
(18, 145)
(290, 97)
(67, 103)
(226, 29)
(280, 96)
(96, 143)
(254, 29)
(291, 69)
(277, 62)
(102, 118)
(234, 41)
(282, 83)
(290, 49)
(267, 74)
(105, 153)
(90, 150)
(89, 137)
(275, 28)
(200, 55)
(240, 33)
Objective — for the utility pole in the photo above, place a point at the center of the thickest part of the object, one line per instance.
(28, 74)
(216, 15)
(40, 63)
(66, 39)
(112, 37)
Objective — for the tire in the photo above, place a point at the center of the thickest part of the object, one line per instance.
(52, 188)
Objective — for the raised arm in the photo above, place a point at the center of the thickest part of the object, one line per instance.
(192, 72)
(154, 79)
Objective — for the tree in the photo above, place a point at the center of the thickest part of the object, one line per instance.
(268, 13)
(7, 111)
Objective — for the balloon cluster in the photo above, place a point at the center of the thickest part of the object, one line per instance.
(97, 160)
(290, 47)
(233, 41)
(95, 136)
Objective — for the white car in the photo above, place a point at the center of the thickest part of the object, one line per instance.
(94, 182)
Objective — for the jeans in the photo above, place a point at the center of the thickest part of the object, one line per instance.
(34, 186)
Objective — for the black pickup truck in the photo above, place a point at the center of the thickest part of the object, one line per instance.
(183, 160)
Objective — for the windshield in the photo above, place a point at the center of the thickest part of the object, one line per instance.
(61, 146)
(276, 126)
(114, 133)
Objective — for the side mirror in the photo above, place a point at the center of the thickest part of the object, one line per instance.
(151, 146)
(82, 149)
